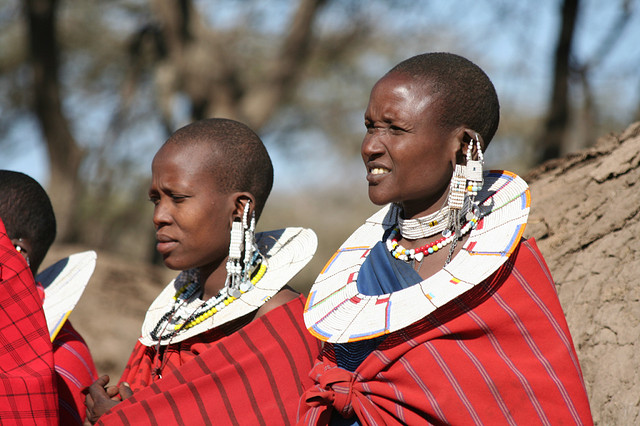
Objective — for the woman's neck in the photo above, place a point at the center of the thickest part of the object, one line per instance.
(212, 279)
(413, 209)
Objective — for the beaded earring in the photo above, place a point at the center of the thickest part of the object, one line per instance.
(456, 201)
(20, 250)
(457, 188)
(234, 269)
(239, 274)
(474, 175)
(250, 248)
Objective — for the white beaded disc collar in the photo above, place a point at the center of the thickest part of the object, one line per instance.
(286, 251)
(337, 312)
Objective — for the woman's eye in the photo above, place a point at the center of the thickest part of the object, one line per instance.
(396, 130)
(369, 127)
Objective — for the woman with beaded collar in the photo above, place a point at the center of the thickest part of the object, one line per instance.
(227, 328)
(435, 310)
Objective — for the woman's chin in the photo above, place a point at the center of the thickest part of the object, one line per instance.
(174, 265)
(378, 199)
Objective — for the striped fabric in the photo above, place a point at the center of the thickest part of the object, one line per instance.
(253, 376)
(499, 354)
(27, 386)
(75, 371)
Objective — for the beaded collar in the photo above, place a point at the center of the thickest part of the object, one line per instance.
(63, 283)
(337, 312)
(285, 252)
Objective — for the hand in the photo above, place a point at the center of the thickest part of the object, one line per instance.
(101, 399)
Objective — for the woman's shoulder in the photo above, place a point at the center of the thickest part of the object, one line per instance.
(284, 296)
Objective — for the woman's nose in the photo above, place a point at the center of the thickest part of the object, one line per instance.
(161, 215)
(372, 145)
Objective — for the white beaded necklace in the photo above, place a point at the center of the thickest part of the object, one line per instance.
(429, 225)
(409, 255)
(425, 226)
(176, 319)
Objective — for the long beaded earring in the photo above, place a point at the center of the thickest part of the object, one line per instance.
(457, 188)
(474, 175)
(234, 269)
(250, 247)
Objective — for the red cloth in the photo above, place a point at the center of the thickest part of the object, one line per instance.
(27, 386)
(499, 354)
(75, 371)
(253, 376)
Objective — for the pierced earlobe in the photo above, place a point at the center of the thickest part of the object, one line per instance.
(22, 251)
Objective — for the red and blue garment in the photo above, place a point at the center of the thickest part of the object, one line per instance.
(501, 353)
(75, 371)
(243, 375)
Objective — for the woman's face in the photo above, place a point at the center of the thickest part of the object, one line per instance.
(408, 156)
(192, 216)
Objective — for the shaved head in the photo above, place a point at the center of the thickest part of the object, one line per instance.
(463, 91)
(238, 157)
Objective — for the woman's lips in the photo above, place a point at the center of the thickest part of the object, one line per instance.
(165, 244)
(376, 173)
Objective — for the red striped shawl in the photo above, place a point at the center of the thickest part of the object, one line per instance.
(27, 387)
(499, 354)
(253, 376)
(75, 371)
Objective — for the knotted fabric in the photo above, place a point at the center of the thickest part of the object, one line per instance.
(340, 389)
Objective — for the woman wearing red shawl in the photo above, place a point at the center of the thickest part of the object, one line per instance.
(30, 224)
(436, 311)
(224, 343)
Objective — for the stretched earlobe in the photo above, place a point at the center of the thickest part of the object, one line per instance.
(243, 201)
(471, 146)
(462, 143)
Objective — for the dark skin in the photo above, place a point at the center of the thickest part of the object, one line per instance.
(186, 197)
(409, 157)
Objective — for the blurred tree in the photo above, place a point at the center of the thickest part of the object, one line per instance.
(108, 81)
(64, 154)
(557, 121)
(567, 69)
(188, 58)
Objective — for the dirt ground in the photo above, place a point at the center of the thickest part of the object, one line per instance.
(585, 216)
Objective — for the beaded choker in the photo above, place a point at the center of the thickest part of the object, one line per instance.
(176, 319)
(425, 226)
(431, 224)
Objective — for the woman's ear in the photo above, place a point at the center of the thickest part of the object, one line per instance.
(467, 139)
(242, 201)
(461, 144)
